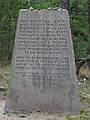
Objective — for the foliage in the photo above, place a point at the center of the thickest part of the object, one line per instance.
(42, 4)
(8, 18)
(9, 13)
(79, 26)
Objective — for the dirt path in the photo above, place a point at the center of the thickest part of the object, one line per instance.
(32, 116)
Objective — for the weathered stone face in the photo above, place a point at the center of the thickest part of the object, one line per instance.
(43, 68)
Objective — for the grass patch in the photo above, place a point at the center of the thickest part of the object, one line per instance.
(85, 103)
(73, 118)
(4, 77)
(83, 116)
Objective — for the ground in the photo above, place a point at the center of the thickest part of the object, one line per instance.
(84, 99)
(32, 116)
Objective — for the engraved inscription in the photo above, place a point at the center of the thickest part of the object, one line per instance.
(44, 47)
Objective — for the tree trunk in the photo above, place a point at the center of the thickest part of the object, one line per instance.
(66, 4)
(88, 46)
(89, 15)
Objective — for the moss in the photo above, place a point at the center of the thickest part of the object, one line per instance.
(73, 118)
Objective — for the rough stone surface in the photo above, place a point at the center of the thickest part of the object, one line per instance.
(43, 67)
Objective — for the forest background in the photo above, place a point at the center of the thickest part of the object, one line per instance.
(79, 11)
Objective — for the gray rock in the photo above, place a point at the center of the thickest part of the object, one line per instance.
(43, 67)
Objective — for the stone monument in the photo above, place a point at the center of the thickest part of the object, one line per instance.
(43, 68)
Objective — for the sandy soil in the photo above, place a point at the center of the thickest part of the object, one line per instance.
(32, 116)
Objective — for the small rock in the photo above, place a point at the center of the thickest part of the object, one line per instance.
(59, 9)
(7, 73)
(2, 88)
(55, 8)
(31, 8)
(79, 84)
(49, 8)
